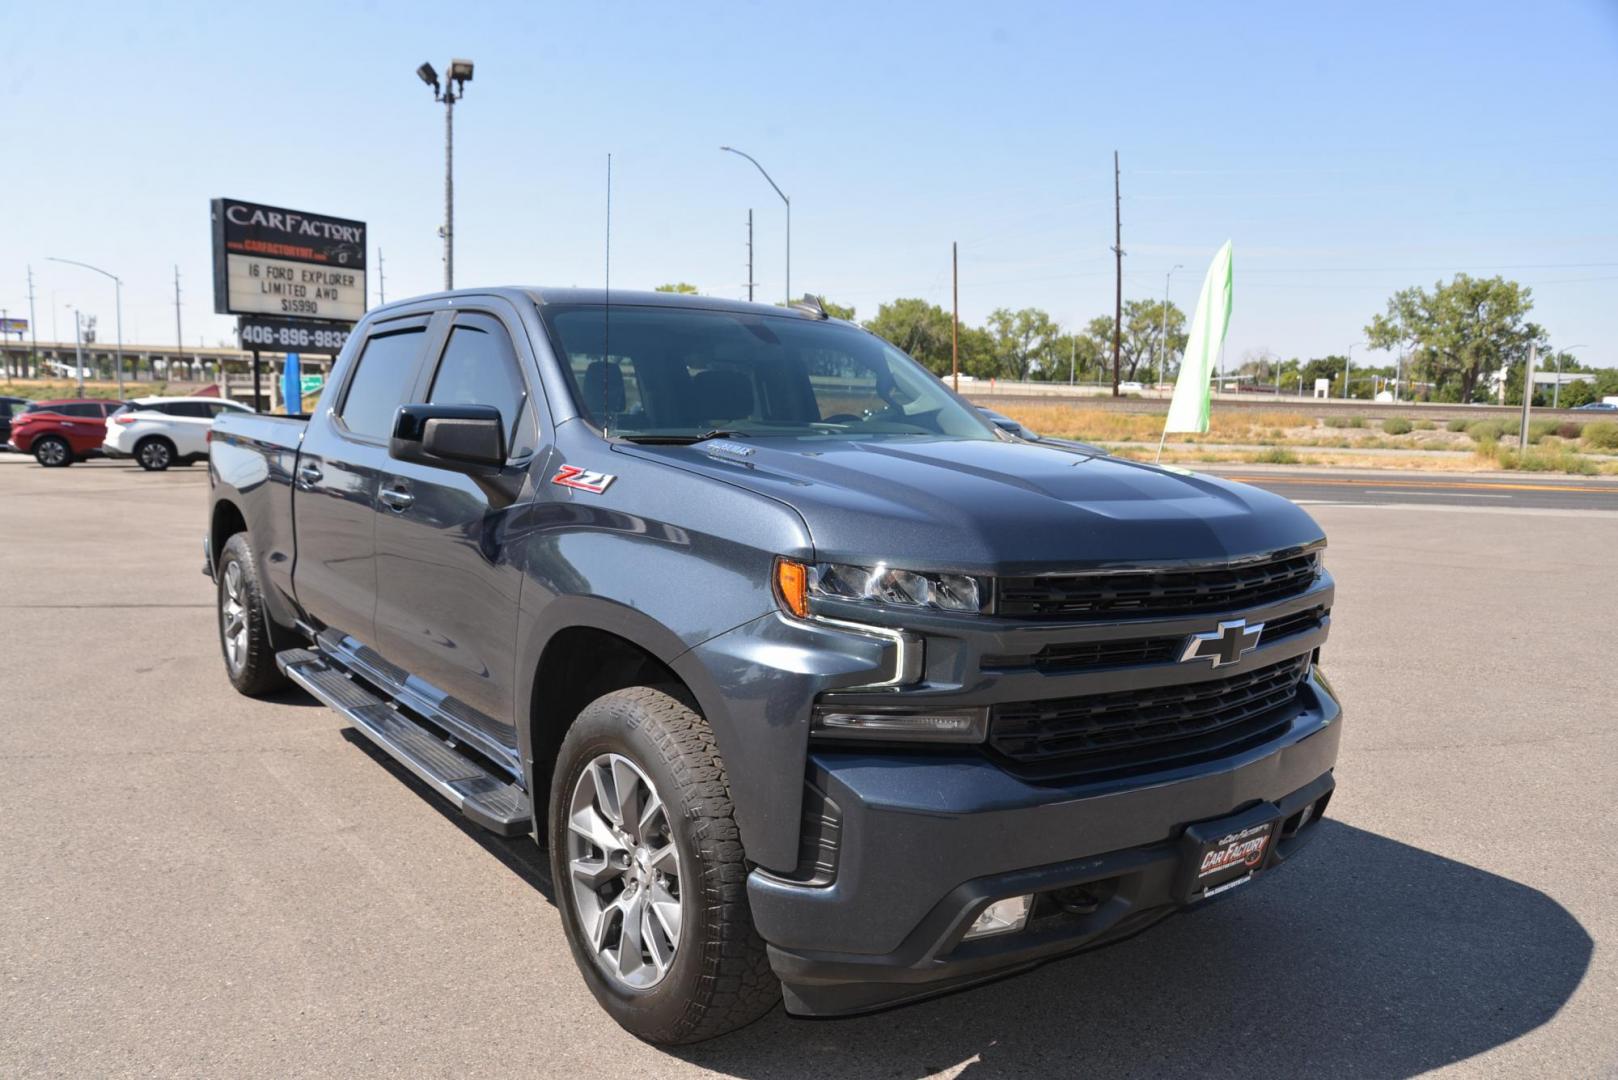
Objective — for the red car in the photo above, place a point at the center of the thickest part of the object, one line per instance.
(59, 433)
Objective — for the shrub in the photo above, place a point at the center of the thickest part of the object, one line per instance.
(1486, 430)
(1276, 455)
(1426, 425)
(1542, 460)
(1336, 421)
(1396, 425)
(1538, 429)
(1456, 425)
(1569, 429)
(1601, 435)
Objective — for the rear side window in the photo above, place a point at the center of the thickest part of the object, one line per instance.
(196, 409)
(377, 389)
(87, 409)
(479, 367)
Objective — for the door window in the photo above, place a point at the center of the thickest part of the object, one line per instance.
(479, 367)
(196, 409)
(376, 389)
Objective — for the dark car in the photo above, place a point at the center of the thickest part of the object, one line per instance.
(9, 407)
(58, 433)
(815, 684)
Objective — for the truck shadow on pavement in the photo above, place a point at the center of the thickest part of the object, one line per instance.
(1366, 957)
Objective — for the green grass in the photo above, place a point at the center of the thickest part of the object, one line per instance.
(1345, 421)
(1397, 425)
(1275, 455)
(1457, 424)
(1486, 431)
(1426, 425)
(1559, 460)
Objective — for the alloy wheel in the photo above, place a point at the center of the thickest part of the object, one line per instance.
(154, 455)
(625, 871)
(233, 617)
(51, 452)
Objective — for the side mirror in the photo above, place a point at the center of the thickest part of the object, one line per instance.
(466, 438)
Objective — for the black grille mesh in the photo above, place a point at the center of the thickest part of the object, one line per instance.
(1150, 727)
(1160, 593)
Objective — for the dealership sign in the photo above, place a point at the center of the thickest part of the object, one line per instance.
(271, 261)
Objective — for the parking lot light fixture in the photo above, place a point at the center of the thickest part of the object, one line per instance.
(118, 300)
(784, 199)
(452, 90)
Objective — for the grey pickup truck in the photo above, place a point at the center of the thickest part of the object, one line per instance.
(815, 683)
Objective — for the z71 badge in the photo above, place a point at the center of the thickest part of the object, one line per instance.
(584, 479)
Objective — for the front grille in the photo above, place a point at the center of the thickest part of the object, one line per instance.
(1131, 731)
(1130, 652)
(1154, 593)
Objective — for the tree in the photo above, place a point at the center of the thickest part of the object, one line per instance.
(918, 328)
(1022, 340)
(1075, 356)
(1460, 332)
(685, 288)
(837, 311)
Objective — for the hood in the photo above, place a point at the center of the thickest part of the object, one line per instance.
(991, 507)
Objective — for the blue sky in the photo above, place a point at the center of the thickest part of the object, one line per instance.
(1348, 150)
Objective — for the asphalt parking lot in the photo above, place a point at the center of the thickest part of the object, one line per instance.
(192, 883)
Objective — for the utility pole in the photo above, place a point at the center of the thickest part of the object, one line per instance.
(749, 254)
(1118, 251)
(381, 279)
(33, 327)
(1163, 338)
(955, 313)
(179, 333)
(78, 353)
(1527, 399)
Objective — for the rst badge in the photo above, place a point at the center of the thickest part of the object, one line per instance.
(584, 479)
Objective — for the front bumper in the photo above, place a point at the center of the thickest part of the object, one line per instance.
(927, 842)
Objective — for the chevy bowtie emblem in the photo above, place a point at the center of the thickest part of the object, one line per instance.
(1226, 645)
(583, 479)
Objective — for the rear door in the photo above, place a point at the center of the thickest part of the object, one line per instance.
(344, 452)
(446, 592)
(187, 424)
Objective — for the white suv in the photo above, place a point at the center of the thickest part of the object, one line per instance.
(162, 431)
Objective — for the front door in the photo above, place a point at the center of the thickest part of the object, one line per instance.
(344, 452)
(447, 593)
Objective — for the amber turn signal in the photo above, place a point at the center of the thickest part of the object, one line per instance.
(792, 587)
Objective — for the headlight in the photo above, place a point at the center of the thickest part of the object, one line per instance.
(882, 584)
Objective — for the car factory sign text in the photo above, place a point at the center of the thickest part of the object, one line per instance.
(272, 261)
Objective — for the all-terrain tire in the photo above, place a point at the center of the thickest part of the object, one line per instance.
(250, 658)
(719, 979)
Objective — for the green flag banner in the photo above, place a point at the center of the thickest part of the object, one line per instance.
(1188, 411)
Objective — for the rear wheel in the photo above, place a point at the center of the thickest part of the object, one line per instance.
(53, 452)
(651, 878)
(244, 627)
(154, 453)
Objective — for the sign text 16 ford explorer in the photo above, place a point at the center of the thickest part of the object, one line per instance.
(814, 683)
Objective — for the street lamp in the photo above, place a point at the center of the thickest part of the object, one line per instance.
(460, 73)
(778, 191)
(118, 299)
(1556, 394)
(1349, 366)
(1163, 338)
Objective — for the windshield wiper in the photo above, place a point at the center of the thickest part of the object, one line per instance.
(683, 440)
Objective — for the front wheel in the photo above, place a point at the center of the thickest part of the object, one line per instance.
(650, 874)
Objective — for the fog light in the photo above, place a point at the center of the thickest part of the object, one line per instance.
(1001, 917)
(875, 722)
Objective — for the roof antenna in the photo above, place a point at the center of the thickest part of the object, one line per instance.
(606, 317)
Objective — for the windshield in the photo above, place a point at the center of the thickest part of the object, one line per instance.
(680, 373)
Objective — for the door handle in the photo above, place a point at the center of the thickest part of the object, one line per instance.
(396, 499)
(309, 473)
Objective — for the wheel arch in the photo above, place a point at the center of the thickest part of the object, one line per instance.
(592, 647)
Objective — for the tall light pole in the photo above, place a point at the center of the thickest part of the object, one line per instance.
(1163, 338)
(1349, 366)
(78, 349)
(1556, 394)
(778, 191)
(460, 73)
(118, 299)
